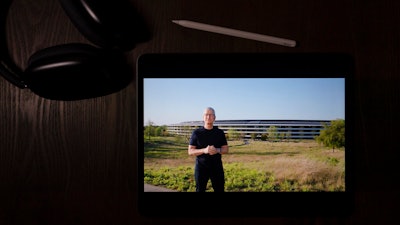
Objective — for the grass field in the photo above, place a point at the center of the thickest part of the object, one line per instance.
(294, 166)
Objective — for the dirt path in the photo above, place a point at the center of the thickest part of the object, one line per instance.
(152, 188)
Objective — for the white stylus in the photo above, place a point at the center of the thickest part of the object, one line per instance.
(236, 33)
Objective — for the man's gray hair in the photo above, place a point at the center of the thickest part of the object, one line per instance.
(210, 108)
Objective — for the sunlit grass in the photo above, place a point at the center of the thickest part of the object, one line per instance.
(257, 166)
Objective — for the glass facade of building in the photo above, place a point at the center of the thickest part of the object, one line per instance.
(287, 129)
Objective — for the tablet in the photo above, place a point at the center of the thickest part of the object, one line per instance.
(287, 120)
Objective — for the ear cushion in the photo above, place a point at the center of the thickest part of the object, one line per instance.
(76, 71)
(108, 24)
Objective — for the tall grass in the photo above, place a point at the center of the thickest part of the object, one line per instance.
(295, 166)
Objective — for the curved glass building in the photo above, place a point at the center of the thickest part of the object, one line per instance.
(287, 129)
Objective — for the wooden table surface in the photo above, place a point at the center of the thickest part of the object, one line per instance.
(74, 162)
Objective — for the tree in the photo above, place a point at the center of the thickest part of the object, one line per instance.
(187, 132)
(149, 129)
(160, 131)
(282, 136)
(272, 133)
(288, 135)
(333, 135)
(264, 137)
(233, 134)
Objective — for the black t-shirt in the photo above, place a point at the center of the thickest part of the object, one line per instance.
(203, 137)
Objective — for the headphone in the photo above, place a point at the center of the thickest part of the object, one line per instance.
(76, 71)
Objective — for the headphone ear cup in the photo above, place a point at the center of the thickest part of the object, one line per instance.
(108, 24)
(76, 71)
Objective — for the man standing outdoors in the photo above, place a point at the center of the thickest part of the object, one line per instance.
(208, 143)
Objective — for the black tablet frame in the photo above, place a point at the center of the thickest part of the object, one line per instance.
(249, 65)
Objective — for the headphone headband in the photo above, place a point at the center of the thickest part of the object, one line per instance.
(7, 68)
(114, 26)
(77, 71)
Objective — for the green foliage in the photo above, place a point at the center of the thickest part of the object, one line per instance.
(167, 164)
(273, 133)
(149, 130)
(333, 135)
(288, 135)
(154, 131)
(245, 179)
(179, 178)
(180, 139)
(264, 137)
(233, 134)
(332, 161)
(160, 131)
(282, 136)
(238, 179)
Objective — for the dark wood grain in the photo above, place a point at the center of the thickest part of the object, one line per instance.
(75, 162)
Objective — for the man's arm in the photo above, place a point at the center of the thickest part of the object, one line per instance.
(224, 149)
(192, 151)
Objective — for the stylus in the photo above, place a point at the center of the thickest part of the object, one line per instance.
(236, 33)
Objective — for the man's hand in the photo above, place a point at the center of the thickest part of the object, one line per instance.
(210, 150)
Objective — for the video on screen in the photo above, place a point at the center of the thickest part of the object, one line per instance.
(243, 134)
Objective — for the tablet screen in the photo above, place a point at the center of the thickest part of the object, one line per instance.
(286, 120)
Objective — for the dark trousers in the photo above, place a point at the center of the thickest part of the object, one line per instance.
(215, 173)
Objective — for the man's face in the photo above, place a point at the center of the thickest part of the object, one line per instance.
(209, 117)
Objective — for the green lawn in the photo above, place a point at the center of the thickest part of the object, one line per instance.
(255, 167)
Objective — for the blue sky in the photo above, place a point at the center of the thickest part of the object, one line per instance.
(175, 100)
